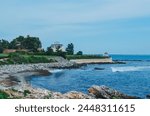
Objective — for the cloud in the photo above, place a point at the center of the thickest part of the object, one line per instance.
(66, 12)
(84, 22)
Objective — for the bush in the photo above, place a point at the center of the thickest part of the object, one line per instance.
(79, 53)
(17, 58)
(3, 95)
(38, 59)
(26, 92)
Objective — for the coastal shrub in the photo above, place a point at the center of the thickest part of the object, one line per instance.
(36, 59)
(17, 58)
(79, 53)
(9, 61)
(3, 95)
(26, 92)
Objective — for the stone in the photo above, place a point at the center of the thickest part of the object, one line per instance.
(148, 96)
(104, 92)
(96, 68)
(77, 95)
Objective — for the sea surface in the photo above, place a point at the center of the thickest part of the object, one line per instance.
(132, 78)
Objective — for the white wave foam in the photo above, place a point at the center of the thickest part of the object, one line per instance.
(129, 68)
(56, 71)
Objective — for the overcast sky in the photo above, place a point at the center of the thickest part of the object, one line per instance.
(94, 26)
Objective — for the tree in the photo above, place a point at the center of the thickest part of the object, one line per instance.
(30, 43)
(1, 49)
(70, 49)
(17, 43)
(49, 51)
(4, 44)
(60, 53)
(79, 53)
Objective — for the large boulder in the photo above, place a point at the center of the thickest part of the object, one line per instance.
(104, 92)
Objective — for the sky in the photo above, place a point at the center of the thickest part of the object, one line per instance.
(93, 26)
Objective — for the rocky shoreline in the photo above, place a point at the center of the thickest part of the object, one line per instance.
(94, 92)
(13, 83)
(14, 75)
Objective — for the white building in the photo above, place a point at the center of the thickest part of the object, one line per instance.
(106, 54)
(57, 46)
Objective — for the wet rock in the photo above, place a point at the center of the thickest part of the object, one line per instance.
(96, 68)
(119, 62)
(148, 96)
(8, 83)
(104, 92)
(42, 72)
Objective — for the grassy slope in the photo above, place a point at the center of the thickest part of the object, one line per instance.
(19, 59)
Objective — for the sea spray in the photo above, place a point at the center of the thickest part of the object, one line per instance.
(56, 71)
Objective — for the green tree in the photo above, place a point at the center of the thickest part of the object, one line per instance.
(79, 53)
(49, 51)
(70, 49)
(61, 53)
(17, 43)
(4, 44)
(1, 49)
(30, 43)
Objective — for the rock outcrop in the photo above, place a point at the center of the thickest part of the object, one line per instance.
(97, 68)
(77, 95)
(95, 92)
(104, 92)
(148, 96)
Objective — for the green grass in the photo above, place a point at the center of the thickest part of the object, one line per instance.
(70, 57)
(4, 56)
(17, 58)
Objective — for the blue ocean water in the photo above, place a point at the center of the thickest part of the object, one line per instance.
(132, 78)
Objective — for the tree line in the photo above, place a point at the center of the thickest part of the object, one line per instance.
(34, 45)
(21, 42)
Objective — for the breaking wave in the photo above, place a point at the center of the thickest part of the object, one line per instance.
(56, 71)
(129, 68)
